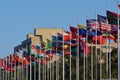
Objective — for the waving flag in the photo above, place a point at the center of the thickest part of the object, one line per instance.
(84, 48)
(74, 32)
(92, 24)
(81, 26)
(112, 17)
(1, 62)
(103, 23)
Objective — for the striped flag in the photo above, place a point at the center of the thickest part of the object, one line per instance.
(92, 24)
(103, 23)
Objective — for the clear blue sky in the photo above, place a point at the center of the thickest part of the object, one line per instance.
(19, 17)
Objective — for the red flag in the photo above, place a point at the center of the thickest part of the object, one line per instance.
(74, 32)
(84, 48)
(33, 47)
(1, 62)
(66, 36)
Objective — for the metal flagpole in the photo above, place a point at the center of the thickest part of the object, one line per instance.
(56, 59)
(58, 69)
(6, 64)
(30, 64)
(100, 58)
(96, 48)
(86, 56)
(50, 63)
(63, 59)
(53, 70)
(22, 70)
(84, 66)
(0, 74)
(45, 66)
(92, 61)
(26, 72)
(77, 57)
(3, 71)
(18, 69)
(118, 42)
(43, 71)
(35, 64)
(39, 67)
(109, 59)
(70, 56)
(14, 69)
(107, 50)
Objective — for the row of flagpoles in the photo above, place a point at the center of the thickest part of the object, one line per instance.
(36, 62)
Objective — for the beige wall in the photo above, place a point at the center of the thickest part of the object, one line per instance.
(34, 39)
(47, 32)
(30, 35)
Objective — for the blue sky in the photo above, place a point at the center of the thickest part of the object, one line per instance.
(19, 17)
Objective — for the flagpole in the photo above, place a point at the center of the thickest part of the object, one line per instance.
(84, 66)
(100, 57)
(3, 69)
(3, 72)
(6, 70)
(109, 59)
(14, 67)
(56, 58)
(77, 57)
(50, 62)
(0, 72)
(96, 48)
(10, 64)
(70, 56)
(53, 69)
(118, 42)
(26, 72)
(86, 55)
(45, 64)
(107, 50)
(39, 67)
(22, 69)
(30, 64)
(17, 68)
(92, 61)
(63, 59)
(35, 65)
(43, 77)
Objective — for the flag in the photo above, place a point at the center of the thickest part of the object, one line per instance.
(103, 23)
(92, 24)
(74, 32)
(84, 48)
(33, 49)
(81, 26)
(82, 32)
(112, 17)
(101, 19)
(38, 50)
(66, 35)
(110, 36)
(1, 62)
(48, 44)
